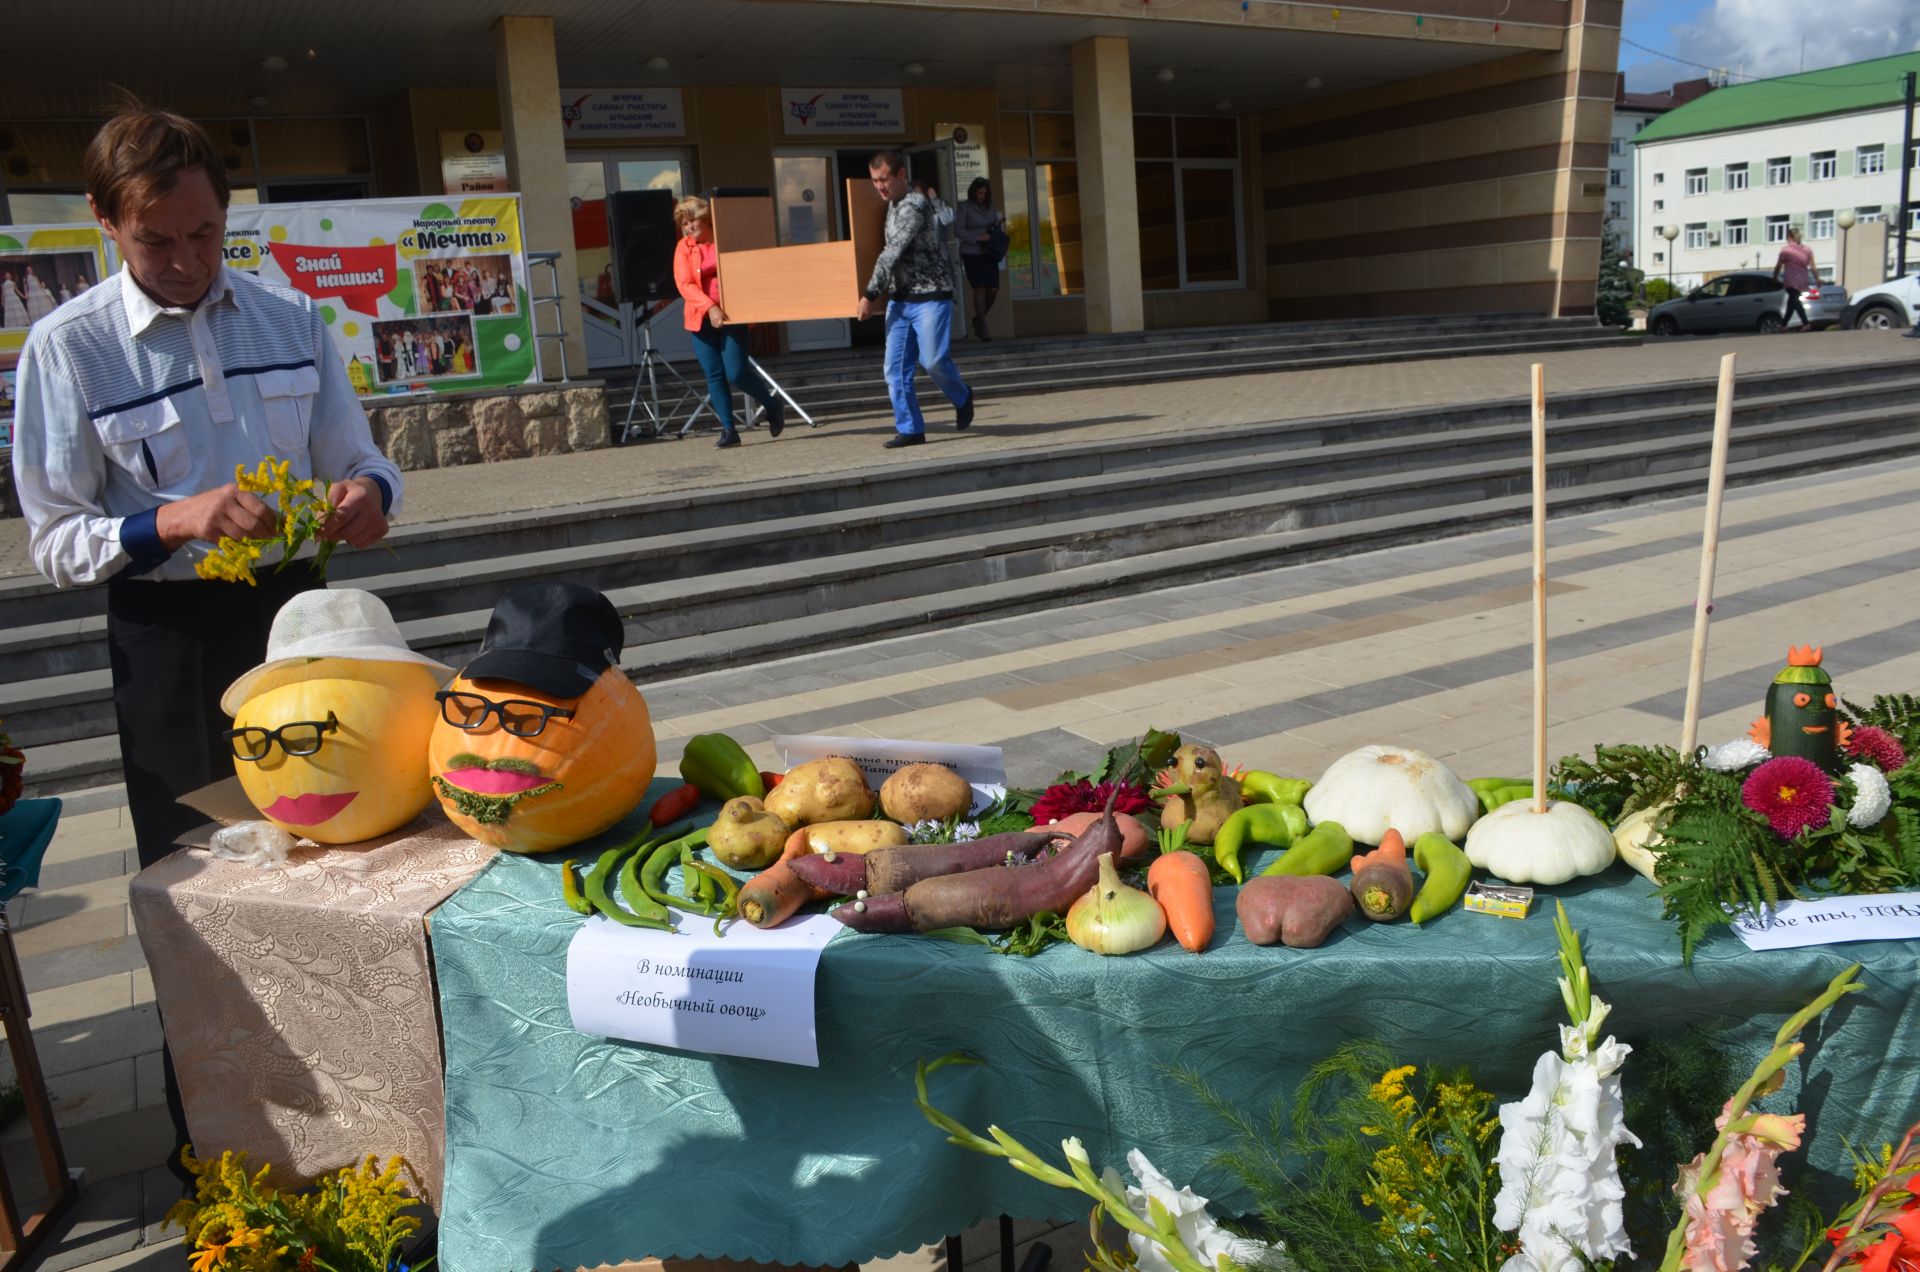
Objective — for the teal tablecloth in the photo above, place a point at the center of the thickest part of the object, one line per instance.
(565, 1150)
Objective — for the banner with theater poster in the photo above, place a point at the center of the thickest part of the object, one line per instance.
(41, 268)
(422, 295)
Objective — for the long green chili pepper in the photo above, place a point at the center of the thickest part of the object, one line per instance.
(653, 875)
(702, 889)
(570, 890)
(729, 891)
(644, 906)
(1447, 870)
(596, 888)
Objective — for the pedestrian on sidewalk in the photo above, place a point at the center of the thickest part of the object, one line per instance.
(718, 345)
(914, 275)
(1794, 271)
(974, 224)
(136, 401)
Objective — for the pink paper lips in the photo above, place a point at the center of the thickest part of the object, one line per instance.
(308, 810)
(490, 781)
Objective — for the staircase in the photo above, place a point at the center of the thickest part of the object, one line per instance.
(848, 381)
(732, 575)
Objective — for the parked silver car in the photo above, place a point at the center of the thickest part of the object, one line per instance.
(1746, 300)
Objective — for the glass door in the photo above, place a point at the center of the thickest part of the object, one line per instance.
(591, 176)
(806, 209)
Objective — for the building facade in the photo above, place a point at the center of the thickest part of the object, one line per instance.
(1632, 112)
(1733, 171)
(1160, 167)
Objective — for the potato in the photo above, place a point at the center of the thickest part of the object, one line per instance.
(746, 836)
(1299, 911)
(853, 836)
(925, 792)
(822, 791)
(1136, 841)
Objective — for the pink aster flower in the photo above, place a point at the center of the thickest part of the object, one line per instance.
(1720, 1224)
(1877, 745)
(1791, 793)
(1067, 798)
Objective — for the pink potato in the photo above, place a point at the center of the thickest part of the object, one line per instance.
(1299, 911)
(1136, 842)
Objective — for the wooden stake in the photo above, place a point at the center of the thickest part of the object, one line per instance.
(1539, 588)
(1709, 554)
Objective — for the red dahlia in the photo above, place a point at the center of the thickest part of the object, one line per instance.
(1791, 793)
(1083, 796)
(1878, 746)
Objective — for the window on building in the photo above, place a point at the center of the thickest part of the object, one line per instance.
(1780, 172)
(1613, 209)
(1824, 273)
(1777, 228)
(1870, 160)
(1042, 204)
(1659, 205)
(1825, 166)
(1616, 178)
(1659, 178)
(1864, 215)
(1913, 218)
(1614, 146)
(1696, 181)
(1736, 176)
(1187, 187)
(1697, 235)
(1820, 224)
(1913, 155)
(1659, 256)
(1734, 233)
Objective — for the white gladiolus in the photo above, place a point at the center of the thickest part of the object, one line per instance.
(1206, 1239)
(1559, 1183)
(1731, 757)
(1871, 796)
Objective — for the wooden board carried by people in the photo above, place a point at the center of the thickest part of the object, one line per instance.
(760, 282)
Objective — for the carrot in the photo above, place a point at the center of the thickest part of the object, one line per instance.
(1392, 851)
(775, 894)
(1179, 882)
(796, 845)
(674, 805)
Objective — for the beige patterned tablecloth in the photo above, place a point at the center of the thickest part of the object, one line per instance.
(298, 1000)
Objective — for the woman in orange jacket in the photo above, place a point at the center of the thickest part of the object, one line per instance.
(720, 346)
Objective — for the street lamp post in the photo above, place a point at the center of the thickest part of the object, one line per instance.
(1670, 233)
(1845, 219)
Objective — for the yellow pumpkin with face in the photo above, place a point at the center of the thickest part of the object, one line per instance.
(368, 777)
(579, 775)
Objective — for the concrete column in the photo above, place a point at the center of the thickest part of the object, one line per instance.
(1109, 203)
(527, 77)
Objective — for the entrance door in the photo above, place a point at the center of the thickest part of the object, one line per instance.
(806, 209)
(591, 176)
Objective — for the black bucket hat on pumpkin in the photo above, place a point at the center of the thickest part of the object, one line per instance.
(551, 636)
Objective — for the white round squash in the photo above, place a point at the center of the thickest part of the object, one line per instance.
(1378, 788)
(1637, 839)
(1516, 844)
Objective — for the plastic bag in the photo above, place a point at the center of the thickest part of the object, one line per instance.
(257, 843)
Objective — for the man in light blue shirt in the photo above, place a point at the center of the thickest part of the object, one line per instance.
(135, 403)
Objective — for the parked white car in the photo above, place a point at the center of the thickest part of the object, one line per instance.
(1888, 307)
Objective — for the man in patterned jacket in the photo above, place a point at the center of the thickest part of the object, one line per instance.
(916, 278)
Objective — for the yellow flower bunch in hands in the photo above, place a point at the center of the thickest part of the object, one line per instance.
(304, 507)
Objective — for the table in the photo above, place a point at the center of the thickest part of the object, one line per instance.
(565, 1150)
(26, 830)
(298, 1000)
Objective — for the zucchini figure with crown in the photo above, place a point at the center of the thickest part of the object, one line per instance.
(1803, 714)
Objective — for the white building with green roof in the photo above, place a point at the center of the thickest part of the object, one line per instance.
(1734, 169)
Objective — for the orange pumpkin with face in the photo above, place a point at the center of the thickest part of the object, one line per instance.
(582, 772)
(365, 779)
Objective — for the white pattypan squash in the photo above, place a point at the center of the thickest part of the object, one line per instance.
(1380, 787)
(1637, 838)
(1521, 846)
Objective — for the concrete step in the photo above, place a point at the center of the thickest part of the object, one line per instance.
(93, 760)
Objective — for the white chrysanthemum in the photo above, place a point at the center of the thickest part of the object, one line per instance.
(1871, 796)
(1731, 757)
(1559, 1183)
(1209, 1242)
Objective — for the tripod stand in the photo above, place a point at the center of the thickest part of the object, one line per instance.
(647, 378)
(706, 403)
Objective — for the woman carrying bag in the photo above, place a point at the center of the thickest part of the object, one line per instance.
(982, 233)
(719, 346)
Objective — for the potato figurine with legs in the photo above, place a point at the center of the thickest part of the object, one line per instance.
(1211, 797)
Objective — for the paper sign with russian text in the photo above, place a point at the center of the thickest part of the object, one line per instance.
(1888, 916)
(843, 110)
(746, 993)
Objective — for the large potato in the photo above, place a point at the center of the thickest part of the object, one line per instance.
(746, 836)
(925, 792)
(820, 791)
(852, 836)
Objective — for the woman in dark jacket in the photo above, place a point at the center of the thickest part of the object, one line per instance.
(973, 223)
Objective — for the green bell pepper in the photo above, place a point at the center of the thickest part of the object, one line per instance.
(1495, 791)
(1275, 825)
(1327, 849)
(1261, 787)
(719, 767)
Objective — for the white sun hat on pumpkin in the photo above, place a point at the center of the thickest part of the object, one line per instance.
(343, 622)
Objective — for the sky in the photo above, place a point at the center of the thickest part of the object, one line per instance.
(1759, 38)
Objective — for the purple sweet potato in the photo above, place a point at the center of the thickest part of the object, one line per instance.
(886, 870)
(1299, 911)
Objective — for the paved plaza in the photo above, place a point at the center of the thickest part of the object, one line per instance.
(1426, 645)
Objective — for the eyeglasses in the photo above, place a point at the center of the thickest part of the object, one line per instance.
(519, 717)
(297, 737)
